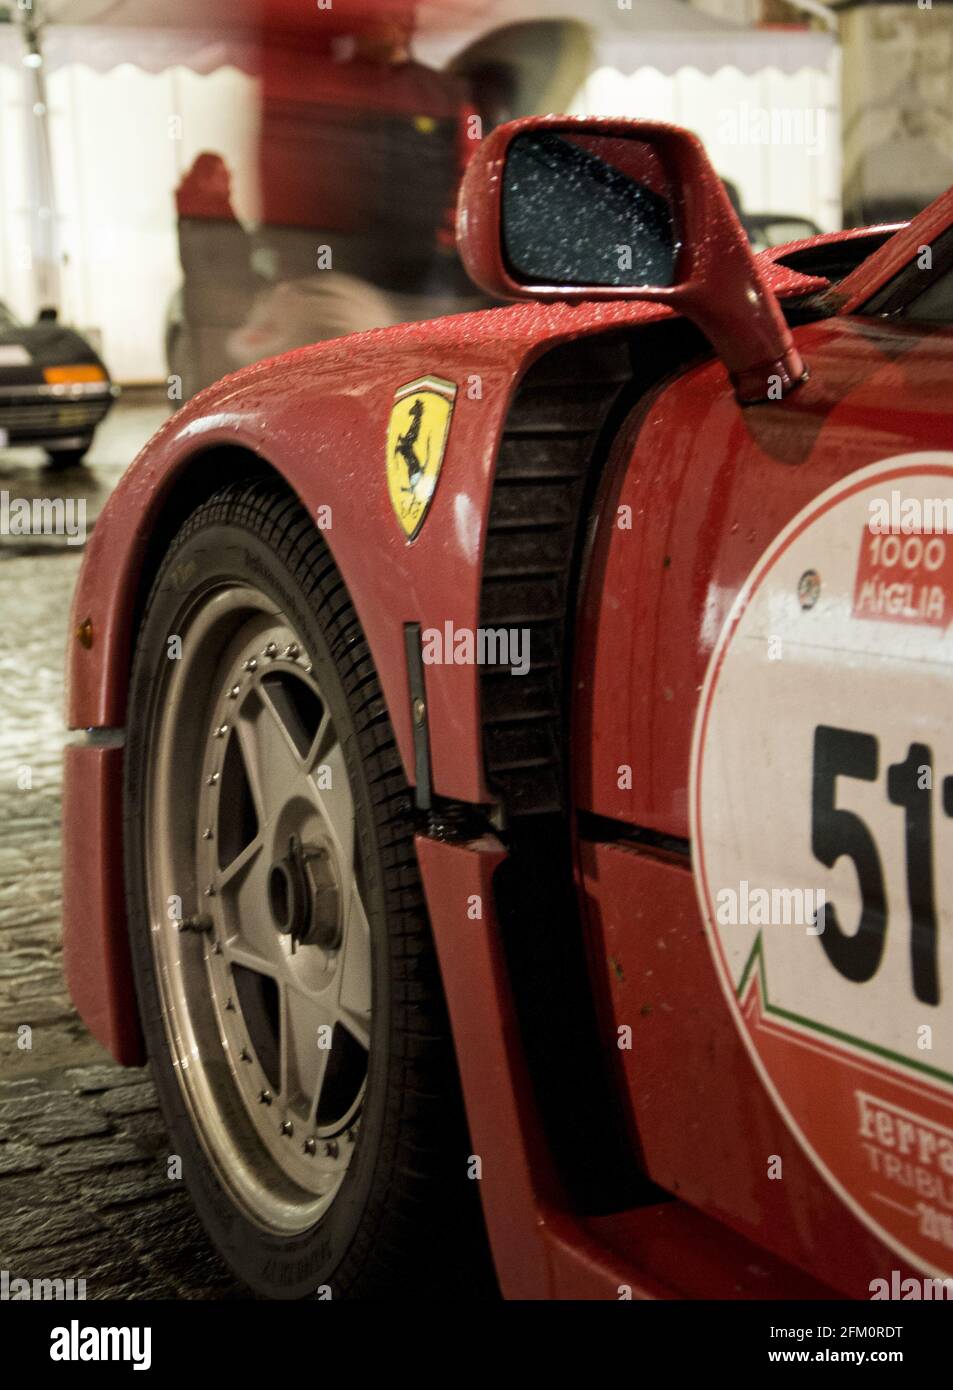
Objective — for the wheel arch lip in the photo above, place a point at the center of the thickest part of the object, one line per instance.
(297, 416)
(325, 439)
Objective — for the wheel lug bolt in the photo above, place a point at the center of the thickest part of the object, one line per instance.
(250, 665)
(212, 779)
(265, 1097)
(196, 924)
(245, 1055)
(309, 1146)
(331, 1149)
(221, 731)
(271, 651)
(234, 693)
(292, 651)
(210, 891)
(287, 1127)
(216, 948)
(207, 833)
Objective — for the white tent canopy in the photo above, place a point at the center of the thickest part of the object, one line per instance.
(137, 88)
(666, 35)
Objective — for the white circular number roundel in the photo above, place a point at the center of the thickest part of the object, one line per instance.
(822, 833)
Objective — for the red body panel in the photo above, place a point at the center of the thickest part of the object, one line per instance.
(541, 1249)
(518, 1187)
(95, 947)
(706, 1126)
(709, 485)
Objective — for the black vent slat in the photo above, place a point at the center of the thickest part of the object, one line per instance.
(542, 456)
(599, 360)
(556, 410)
(529, 551)
(516, 602)
(515, 504)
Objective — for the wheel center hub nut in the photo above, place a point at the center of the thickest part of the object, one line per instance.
(304, 898)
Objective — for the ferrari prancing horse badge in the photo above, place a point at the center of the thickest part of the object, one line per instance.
(416, 440)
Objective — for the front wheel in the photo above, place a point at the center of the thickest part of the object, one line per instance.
(286, 976)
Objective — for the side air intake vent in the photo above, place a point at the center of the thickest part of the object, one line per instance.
(536, 516)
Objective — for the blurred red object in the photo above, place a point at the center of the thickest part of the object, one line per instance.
(205, 190)
(359, 143)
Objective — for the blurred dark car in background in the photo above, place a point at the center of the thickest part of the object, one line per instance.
(54, 388)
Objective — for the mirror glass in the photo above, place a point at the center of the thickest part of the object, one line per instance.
(581, 209)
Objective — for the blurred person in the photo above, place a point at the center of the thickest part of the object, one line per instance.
(294, 313)
(362, 150)
(218, 285)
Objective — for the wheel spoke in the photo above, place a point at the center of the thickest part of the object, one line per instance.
(239, 953)
(240, 865)
(271, 760)
(302, 1061)
(332, 795)
(242, 894)
(245, 733)
(354, 999)
(324, 1057)
(320, 744)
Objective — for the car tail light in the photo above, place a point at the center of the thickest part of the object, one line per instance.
(71, 376)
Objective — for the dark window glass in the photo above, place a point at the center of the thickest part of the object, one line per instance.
(574, 213)
(935, 303)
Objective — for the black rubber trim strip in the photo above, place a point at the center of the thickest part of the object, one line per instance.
(423, 791)
(893, 298)
(606, 830)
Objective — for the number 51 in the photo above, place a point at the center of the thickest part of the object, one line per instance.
(834, 832)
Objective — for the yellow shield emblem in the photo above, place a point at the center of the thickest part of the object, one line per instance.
(416, 440)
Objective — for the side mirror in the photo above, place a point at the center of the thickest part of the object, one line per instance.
(560, 208)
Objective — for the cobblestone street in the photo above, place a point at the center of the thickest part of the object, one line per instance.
(84, 1191)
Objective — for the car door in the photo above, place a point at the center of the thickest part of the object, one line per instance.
(763, 790)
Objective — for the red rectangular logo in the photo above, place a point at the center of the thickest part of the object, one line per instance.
(905, 578)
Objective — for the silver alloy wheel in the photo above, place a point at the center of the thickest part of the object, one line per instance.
(259, 928)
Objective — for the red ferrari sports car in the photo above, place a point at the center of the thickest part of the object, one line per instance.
(513, 813)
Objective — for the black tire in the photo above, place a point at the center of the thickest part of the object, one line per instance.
(406, 1220)
(58, 460)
